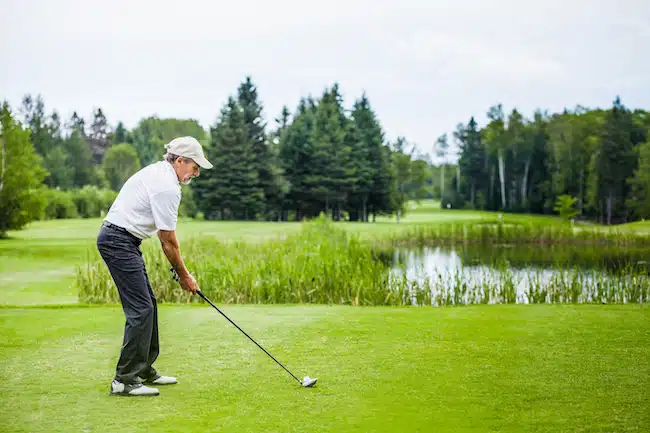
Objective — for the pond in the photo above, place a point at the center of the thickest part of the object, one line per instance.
(471, 274)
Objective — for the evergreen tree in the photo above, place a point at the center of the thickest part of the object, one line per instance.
(98, 136)
(231, 189)
(366, 144)
(121, 134)
(327, 140)
(613, 163)
(295, 155)
(473, 162)
(264, 161)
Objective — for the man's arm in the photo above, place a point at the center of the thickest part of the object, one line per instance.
(172, 249)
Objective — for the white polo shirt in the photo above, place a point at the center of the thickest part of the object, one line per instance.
(148, 201)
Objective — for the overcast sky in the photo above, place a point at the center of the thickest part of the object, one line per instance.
(425, 65)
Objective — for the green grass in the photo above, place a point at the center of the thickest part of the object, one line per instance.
(497, 368)
(506, 368)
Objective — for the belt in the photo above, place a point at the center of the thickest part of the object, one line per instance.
(120, 229)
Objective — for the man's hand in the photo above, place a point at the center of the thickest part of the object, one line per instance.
(189, 283)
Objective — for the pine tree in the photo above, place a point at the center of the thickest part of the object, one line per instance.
(614, 162)
(295, 155)
(121, 134)
(98, 136)
(472, 162)
(230, 190)
(265, 163)
(327, 140)
(367, 143)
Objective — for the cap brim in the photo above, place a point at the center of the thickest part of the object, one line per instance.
(203, 163)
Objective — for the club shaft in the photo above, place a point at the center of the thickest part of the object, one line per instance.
(243, 332)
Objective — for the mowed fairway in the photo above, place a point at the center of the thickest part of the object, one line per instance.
(496, 368)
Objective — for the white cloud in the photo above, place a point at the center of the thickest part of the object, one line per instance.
(426, 65)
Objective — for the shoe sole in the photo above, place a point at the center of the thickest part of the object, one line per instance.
(124, 394)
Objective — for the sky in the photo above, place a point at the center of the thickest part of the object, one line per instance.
(424, 65)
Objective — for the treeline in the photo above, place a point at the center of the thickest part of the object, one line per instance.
(320, 158)
(599, 158)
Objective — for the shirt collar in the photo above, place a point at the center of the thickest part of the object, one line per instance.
(170, 169)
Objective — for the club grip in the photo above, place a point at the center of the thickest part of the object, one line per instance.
(175, 274)
(178, 279)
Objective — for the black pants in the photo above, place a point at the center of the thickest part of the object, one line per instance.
(121, 253)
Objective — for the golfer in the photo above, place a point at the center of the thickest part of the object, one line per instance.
(147, 204)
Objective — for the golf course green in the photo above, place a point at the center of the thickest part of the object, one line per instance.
(474, 368)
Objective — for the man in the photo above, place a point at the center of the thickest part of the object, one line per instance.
(147, 204)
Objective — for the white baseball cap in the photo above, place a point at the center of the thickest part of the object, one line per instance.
(189, 147)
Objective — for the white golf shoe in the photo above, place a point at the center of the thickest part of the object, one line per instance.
(161, 380)
(132, 390)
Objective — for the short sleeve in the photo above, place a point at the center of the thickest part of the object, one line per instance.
(164, 208)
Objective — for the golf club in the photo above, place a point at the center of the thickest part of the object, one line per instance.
(307, 382)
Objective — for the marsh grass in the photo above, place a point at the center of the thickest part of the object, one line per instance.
(490, 231)
(325, 264)
(321, 264)
(500, 285)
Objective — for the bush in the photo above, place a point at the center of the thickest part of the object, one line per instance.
(58, 204)
(93, 202)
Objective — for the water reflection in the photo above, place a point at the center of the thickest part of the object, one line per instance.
(472, 274)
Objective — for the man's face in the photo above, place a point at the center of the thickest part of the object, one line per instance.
(186, 170)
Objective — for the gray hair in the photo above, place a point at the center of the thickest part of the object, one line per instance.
(170, 157)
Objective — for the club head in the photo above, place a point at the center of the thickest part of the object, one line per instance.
(309, 382)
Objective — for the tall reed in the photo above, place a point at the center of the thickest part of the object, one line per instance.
(325, 264)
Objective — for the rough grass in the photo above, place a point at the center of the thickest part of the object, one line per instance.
(324, 264)
(470, 369)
